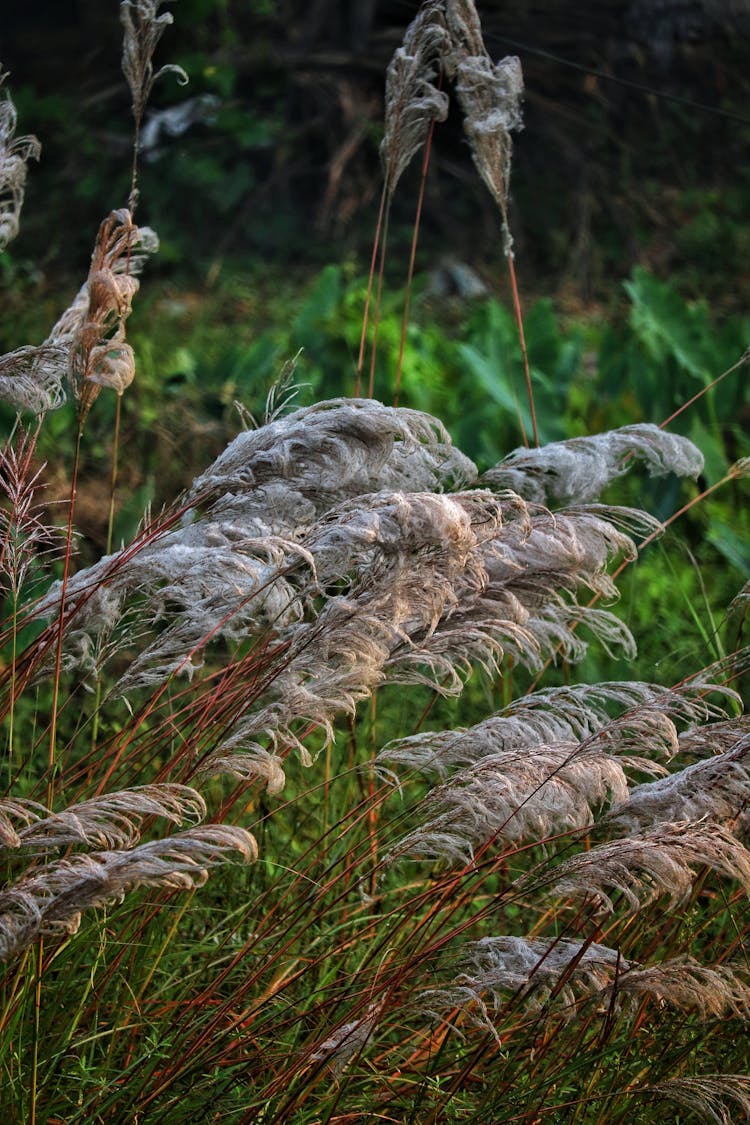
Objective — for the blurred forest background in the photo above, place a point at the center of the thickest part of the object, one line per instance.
(637, 115)
(630, 213)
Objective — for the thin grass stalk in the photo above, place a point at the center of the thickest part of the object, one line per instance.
(741, 362)
(113, 475)
(4, 546)
(368, 296)
(440, 1111)
(542, 1107)
(537, 1024)
(88, 988)
(149, 707)
(413, 253)
(133, 194)
(116, 751)
(327, 779)
(38, 963)
(372, 805)
(204, 1040)
(110, 536)
(403, 971)
(15, 992)
(591, 1084)
(441, 918)
(524, 354)
(57, 674)
(378, 298)
(138, 997)
(48, 639)
(207, 1036)
(570, 1104)
(28, 446)
(733, 474)
(131, 937)
(13, 677)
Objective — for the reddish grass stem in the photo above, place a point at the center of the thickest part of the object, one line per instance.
(378, 297)
(524, 353)
(413, 254)
(61, 620)
(741, 362)
(370, 279)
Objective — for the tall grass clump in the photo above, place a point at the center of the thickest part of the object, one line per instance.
(541, 915)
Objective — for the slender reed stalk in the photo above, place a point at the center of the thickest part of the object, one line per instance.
(368, 296)
(376, 314)
(60, 629)
(413, 254)
(524, 354)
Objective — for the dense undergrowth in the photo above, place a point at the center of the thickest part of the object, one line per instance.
(495, 863)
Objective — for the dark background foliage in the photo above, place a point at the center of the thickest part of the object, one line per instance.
(636, 117)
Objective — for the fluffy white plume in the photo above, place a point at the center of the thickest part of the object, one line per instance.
(541, 972)
(683, 983)
(506, 797)
(576, 471)
(406, 583)
(709, 1096)
(189, 585)
(143, 27)
(718, 788)
(250, 763)
(579, 712)
(112, 820)
(32, 378)
(412, 99)
(465, 28)
(292, 470)
(51, 900)
(535, 970)
(650, 863)
(490, 96)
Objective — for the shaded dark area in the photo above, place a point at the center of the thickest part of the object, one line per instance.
(637, 121)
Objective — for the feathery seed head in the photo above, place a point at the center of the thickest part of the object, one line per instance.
(143, 27)
(412, 100)
(51, 899)
(15, 152)
(707, 1095)
(649, 863)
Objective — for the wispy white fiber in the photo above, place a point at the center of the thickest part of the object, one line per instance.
(497, 972)
(622, 715)
(662, 860)
(717, 788)
(412, 98)
(516, 795)
(15, 152)
(331, 452)
(112, 820)
(576, 471)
